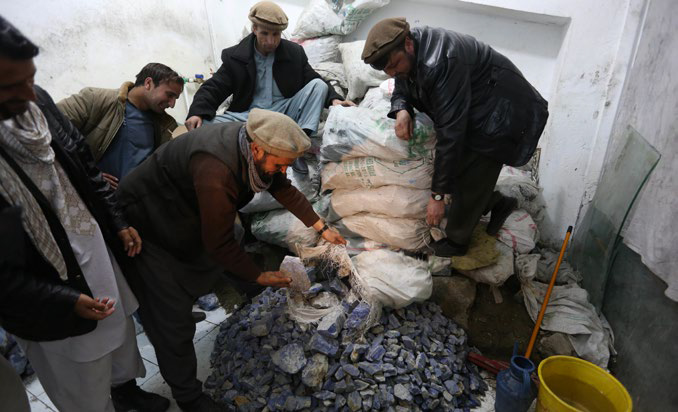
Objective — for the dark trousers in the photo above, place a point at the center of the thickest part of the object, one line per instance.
(166, 289)
(473, 196)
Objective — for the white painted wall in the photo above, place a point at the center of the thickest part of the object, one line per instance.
(649, 104)
(576, 52)
(104, 43)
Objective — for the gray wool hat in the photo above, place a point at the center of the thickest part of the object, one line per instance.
(277, 133)
(268, 15)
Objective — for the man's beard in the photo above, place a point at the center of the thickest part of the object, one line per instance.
(266, 178)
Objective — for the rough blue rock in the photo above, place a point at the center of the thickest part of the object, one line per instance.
(358, 316)
(290, 358)
(354, 401)
(314, 372)
(351, 370)
(408, 343)
(324, 395)
(208, 302)
(339, 401)
(375, 353)
(330, 325)
(370, 368)
(321, 344)
(401, 392)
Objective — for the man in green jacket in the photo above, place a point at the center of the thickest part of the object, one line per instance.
(123, 127)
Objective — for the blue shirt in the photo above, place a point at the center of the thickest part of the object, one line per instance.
(266, 91)
(132, 144)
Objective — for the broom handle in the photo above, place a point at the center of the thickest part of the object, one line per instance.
(535, 331)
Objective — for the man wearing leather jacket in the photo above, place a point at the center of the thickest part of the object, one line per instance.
(485, 113)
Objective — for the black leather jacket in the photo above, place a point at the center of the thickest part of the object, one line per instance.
(35, 303)
(477, 99)
(237, 76)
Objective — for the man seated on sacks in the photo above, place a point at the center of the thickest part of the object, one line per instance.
(201, 179)
(264, 71)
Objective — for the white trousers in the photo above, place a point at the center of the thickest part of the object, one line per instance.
(86, 386)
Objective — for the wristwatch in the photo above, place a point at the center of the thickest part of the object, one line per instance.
(436, 196)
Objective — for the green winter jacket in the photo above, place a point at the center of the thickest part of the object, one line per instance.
(99, 113)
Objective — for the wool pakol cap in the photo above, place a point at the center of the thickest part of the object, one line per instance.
(384, 37)
(277, 133)
(268, 15)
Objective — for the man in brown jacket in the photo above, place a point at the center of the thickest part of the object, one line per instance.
(202, 179)
(124, 126)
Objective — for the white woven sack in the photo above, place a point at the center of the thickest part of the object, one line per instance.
(402, 233)
(320, 49)
(519, 232)
(368, 172)
(394, 279)
(394, 201)
(496, 274)
(360, 76)
(358, 132)
(319, 17)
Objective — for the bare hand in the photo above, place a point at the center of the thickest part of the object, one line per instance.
(131, 241)
(95, 309)
(404, 127)
(333, 237)
(276, 279)
(193, 122)
(435, 211)
(112, 180)
(345, 103)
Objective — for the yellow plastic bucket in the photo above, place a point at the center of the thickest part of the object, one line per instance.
(575, 385)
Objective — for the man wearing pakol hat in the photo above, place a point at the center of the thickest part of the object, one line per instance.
(184, 199)
(485, 113)
(264, 71)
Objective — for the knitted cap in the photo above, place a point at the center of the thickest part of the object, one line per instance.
(384, 37)
(268, 15)
(277, 133)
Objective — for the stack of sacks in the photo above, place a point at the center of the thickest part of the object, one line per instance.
(321, 27)
(381, 184)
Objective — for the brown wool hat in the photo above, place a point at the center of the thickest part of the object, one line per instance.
(268, 15)
(277, 133)
(384, 37)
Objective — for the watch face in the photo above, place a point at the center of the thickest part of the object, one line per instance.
(437, 197)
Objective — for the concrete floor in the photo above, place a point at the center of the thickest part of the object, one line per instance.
(205, 334)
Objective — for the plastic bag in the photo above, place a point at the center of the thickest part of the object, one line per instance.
(519, 232)
(360, 76)
(368, 172)
(394, 201)
(358, 132)
(377, 101)
(403, 233)
(394, 279)
(282, 228)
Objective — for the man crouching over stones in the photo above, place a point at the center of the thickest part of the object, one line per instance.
(202, 179)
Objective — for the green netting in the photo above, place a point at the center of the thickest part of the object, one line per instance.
(597, 235)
